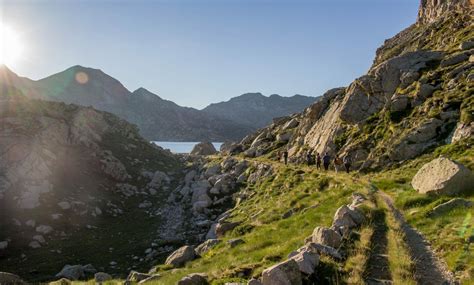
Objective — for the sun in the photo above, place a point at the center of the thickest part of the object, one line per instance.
(11, 48)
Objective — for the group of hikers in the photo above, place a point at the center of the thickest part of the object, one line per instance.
(325, 161)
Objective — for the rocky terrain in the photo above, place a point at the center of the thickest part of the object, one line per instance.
(156, 118)
(102, 204)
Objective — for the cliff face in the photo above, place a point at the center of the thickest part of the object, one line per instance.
(417, 95)
(432, 10)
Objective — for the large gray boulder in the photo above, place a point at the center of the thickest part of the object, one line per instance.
(284, 273)
(204, 148)
(9, 278)
(194, 279)
(306, 258)
(182, 255)
(443, 176)
(326, 236)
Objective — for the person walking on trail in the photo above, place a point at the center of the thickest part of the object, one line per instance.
(309, 158)
(326, 161)
(318, 161)
(285, 157)
(347, 162)
(337, 163)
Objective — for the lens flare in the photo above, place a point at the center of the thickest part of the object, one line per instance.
(82, 77)
(11, 48)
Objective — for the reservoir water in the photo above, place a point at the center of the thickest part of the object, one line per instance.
(182, 147)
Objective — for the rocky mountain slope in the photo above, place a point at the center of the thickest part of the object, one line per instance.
(256, 111)
(158, 119)
(71, 177)
(417, 95)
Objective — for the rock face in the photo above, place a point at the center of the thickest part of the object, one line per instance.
(431, 10)
(285, 273)
(443, 176)
(204, 148)
(181, 256)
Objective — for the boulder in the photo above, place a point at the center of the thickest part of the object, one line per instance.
(204, 148)
(206, 246)
(223, 227)
(3, 245)
(102, 277)
(135, 276)
(284, 273)
(306, 259)
(327, 237)
(399, 103)
(72, 272)
(466, 45)
(9, 278)
(194, 279)
(44, 229)
(182, 255)
(448, 206)
(235, 242)
(356, 216)
(443, 176)
(324, 250)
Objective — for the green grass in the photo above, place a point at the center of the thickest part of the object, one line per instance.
(314, 197)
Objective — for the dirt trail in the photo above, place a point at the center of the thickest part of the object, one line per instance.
(429, 269)
(378, 269)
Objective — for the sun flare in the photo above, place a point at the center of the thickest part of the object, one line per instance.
(11, 48)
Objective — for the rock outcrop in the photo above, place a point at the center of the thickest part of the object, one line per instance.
(203, 148)
(432, 10)
(443, 176)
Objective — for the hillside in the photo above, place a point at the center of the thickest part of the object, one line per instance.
(72, 177)
(256, 111)
(156, 118)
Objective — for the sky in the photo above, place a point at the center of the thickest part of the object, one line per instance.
(197, 52)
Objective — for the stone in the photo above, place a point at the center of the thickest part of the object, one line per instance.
(64, 205)
(324, 250)
(89, 269)
(44, 229)
(306, 259)
(203, 148)
(254, 282)
(327, 237)
(135, 276)
(34, 244)
(39, 238)
(454, 59)
(71, 272)
(355, 215)
(443, 176)
(462, 131)
(9, 278)
(194, 279)
(3, 245)
(102, 277)
(159, 179)
(224, 227)
(206, 246)
(211, 234)
(399, 103)
(450, 205)
(284, 273)
(182, 255)
(152, 278)
(466, 45)
(235, 242)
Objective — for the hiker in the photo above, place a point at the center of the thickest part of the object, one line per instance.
(318, 161)
(309, 158)
(285, 157)
(347, 162)
(337, 163)
(326, 161)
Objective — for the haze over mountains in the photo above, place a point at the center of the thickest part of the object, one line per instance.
(157, 118)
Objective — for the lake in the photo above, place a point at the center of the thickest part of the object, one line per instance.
(182, 147)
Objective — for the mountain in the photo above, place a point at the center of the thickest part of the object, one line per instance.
(157, 119)
(255, 110)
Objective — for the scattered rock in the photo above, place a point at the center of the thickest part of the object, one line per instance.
(327, 237)
(443, 176)
(44, 229)
(206, 246)
(235, 242)
(448, 206)
(182, 255)
(284, 273)
(102, 277)
(194, 279)
(204, 148)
